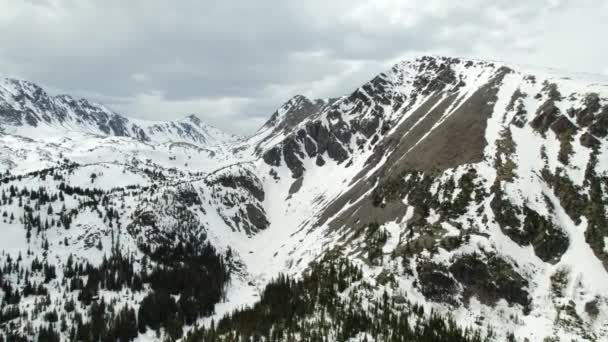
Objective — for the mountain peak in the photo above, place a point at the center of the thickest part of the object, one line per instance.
(22, 83)
(291, 112)
(194, 119)
(470, 63)
(299, 98)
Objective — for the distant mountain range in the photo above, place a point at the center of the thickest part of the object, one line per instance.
(25, 109)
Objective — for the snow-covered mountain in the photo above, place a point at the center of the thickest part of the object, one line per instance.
(475, 190)
(26, 109)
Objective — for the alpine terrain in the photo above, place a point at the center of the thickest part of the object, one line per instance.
(446, 199)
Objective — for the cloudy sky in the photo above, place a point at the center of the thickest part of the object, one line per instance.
(233, 62)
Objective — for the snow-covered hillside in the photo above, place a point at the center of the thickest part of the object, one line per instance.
(471, 188)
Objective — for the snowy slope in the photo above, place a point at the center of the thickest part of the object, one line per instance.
(479, 187)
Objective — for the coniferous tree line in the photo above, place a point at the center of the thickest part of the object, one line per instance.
(193, 272)
(190, 279)
(318, 307)
(197, 279)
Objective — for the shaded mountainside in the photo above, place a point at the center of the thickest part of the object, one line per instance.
(445, 199)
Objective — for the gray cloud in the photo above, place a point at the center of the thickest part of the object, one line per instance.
(234, 62)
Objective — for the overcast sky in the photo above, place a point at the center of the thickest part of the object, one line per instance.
(234, 62)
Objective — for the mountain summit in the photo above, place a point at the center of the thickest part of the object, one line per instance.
(446, 199)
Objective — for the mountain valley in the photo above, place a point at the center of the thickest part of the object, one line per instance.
(446, 199)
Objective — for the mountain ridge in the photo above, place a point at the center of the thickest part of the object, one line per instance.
(25, 106)
(466, 188)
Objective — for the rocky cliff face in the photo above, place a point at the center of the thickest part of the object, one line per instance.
(478, 181)
(473, 188)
